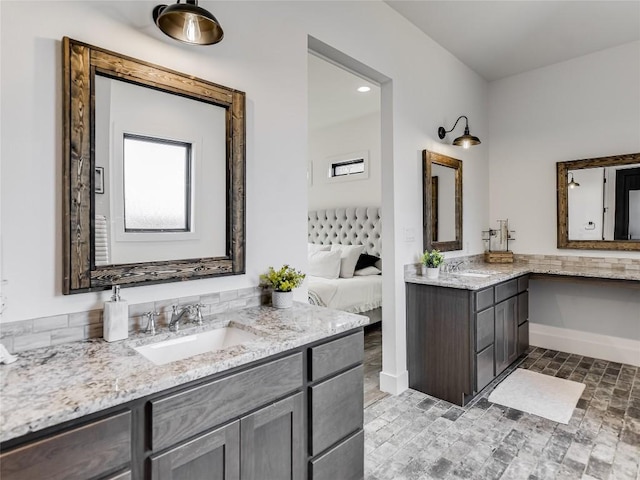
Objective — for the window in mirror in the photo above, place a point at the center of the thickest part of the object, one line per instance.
(157, 185)
(350, 167)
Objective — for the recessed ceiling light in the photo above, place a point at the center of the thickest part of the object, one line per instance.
(364, 89)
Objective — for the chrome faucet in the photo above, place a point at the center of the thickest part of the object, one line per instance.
(176, 317)
(194, 312)
(453, 267)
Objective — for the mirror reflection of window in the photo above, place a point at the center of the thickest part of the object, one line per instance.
(157, 193)
(446, 202)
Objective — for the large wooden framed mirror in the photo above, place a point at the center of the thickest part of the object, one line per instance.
(154, 173)
(599, 203)
(442, 202)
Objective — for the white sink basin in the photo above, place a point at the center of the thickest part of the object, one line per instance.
(473, 274)
(180, 348)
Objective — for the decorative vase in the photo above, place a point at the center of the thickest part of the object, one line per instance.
(432, 272)
(282, 299)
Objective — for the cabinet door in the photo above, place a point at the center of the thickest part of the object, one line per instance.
(272, 441)
(214, 456)
(506, 343)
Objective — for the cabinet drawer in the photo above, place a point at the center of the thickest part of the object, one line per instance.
(336, 409)
(484, 299)
(182, 415)
(523, 307)
(84, 452)
(484, 329)
(344, 461)
(484, 368)
(336, 355)
(523, 283)
(506, 290)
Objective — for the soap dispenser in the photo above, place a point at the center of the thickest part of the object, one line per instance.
(115, 317)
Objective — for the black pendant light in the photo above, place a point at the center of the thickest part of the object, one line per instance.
(466, 140)
(188, 23)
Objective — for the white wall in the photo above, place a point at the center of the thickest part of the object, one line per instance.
(582, 108)
(585, 204)
(264, 53)
(359, 134)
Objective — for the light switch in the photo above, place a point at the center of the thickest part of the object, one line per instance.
(409, 235)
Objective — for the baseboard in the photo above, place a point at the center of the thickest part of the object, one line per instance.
(605, 347)
(394, 384)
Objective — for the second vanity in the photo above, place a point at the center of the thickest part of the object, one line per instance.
(286, 406)
(464, 328)
(460, 338)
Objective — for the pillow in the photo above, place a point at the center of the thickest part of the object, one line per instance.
(312, 248)
(365, 260)
(324, 264)
(349, 255)
(366, 271)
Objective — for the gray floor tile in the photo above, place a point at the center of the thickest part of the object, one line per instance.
(416, 436)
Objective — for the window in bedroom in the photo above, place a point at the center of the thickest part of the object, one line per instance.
(354, 166)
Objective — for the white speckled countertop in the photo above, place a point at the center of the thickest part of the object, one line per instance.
(499, 272)
(51, 385)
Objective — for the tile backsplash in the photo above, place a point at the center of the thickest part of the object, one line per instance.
(42, 332)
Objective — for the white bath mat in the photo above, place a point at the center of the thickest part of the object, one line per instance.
(549, 397)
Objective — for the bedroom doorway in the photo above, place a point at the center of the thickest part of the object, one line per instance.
(344, 179)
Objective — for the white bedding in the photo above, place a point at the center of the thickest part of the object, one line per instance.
(354, 295)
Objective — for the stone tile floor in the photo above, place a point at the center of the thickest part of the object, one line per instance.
(416, 436)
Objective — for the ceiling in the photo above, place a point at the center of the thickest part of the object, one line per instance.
(498, 39)
(333, 95)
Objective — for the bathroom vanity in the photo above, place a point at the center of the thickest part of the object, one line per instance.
(286, 406)
(459, 339)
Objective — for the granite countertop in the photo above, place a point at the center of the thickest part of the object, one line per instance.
(500, 272)
(51, 385)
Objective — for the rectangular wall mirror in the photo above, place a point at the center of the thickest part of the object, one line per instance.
(599, 203)
(442, 202)
(154, 180)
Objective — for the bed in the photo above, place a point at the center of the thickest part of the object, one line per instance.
(345, 230)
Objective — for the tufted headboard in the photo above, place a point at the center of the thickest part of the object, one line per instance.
(347, 226)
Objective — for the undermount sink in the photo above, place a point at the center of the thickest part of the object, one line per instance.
(180, 348)
(469, 273)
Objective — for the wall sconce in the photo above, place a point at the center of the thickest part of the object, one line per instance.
(572, 183)
(188, 23)
(466, 140)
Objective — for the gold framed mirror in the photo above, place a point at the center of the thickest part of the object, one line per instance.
(442, 202)
(154, 173)
(599, 203)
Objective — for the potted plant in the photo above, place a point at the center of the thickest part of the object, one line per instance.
(431, 261)
(282, 281)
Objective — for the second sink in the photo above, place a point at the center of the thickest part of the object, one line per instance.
(180, 348)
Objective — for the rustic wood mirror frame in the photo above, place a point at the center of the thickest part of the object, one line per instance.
(81, 62)
(428, 158)
(562, 169)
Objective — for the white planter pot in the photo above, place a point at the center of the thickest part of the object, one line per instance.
(432, 272)
(282, 299)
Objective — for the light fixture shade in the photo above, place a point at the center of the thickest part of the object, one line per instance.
(466, 140)
(188, 23)
(572, 183)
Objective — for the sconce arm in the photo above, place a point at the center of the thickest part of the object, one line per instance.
(442, 132)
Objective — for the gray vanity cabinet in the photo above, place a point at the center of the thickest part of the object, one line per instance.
(459, 340)
(293, 416)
